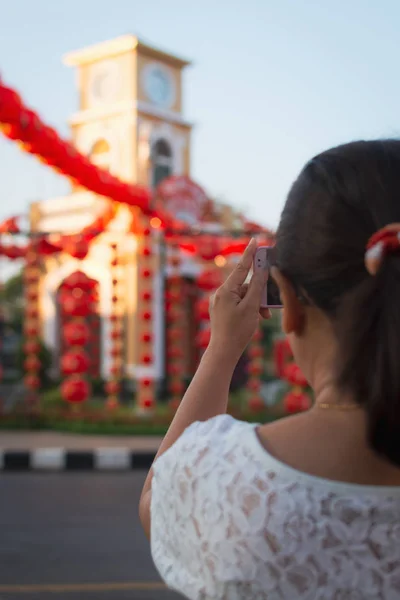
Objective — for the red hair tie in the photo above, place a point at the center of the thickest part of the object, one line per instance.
(383, 242)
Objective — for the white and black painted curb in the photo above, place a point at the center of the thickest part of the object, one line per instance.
(60, 459)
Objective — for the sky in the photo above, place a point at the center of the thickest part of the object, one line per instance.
(273, 83)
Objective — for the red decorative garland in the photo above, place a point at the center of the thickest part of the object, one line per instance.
(175, 332)
(113, 386)
(23, 124)
(145, 386)
(76, 300)
(32, 322)
(76, 245)
(255, 369)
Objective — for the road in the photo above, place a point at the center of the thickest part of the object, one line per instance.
(74, 536)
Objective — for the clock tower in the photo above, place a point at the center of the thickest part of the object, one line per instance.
(130, 110)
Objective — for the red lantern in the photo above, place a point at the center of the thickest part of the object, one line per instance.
(32, 382)
(146, 359)
(296, 401)
(79, 280)
(173, 353)
(116, 334)
(203, 309)
(148, 403)
(31, 347)
(203, 338)
(209, 280)
(146, 383)
(76, 306)
(177, 388)
(113, 387)
(255, 369)
(255, 352)
(32, 295)
(115, 352)
(172, 296)
(146, 316)
(76, 333)
(146, 251)
(32, 363)
(30, 278)
(293, 375)
(146, 337)
(175, 281)
(174, 335)
(174, 370)
(146, 273)
(75, 362)
(115, 370)
(174, 314)
(31, 330)
(253, 385)
(256, 404)
(32, 312)
(146, 296)
(75, 389)
(257, 337)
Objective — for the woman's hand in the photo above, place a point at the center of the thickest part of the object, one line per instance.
(235, 307)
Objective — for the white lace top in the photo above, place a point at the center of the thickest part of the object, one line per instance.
(230, 522)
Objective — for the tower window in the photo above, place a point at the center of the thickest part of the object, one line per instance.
(162, 159)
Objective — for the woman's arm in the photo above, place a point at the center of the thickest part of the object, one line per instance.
(206, 397)
(234, 318)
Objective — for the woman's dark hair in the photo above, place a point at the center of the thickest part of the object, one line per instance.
(341, 198)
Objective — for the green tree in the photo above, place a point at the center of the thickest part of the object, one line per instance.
(12, 301)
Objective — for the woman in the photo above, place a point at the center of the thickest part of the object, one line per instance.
(307, 507)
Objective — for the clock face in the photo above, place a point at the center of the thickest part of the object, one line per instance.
(104, 82)
(159, 86)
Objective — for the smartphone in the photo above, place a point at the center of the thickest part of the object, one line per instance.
(265, 259)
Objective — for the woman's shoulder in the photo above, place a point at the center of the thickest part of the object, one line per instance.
(212, 438)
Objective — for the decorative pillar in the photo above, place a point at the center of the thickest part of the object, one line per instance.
(2, 324)
(255, 370)
(32, 362)
(145, 379)
(207, 282)
(113, 386)
(175, 332)
(76, 302)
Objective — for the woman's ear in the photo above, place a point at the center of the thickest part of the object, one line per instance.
(293, 310)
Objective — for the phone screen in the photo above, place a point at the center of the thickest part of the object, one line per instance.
(273, 295)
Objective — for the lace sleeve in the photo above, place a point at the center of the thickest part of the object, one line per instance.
(187, 503)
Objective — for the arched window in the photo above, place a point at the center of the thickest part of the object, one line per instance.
(161, 158)
(100, 154)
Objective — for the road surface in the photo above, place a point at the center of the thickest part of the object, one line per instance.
(74, 536)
